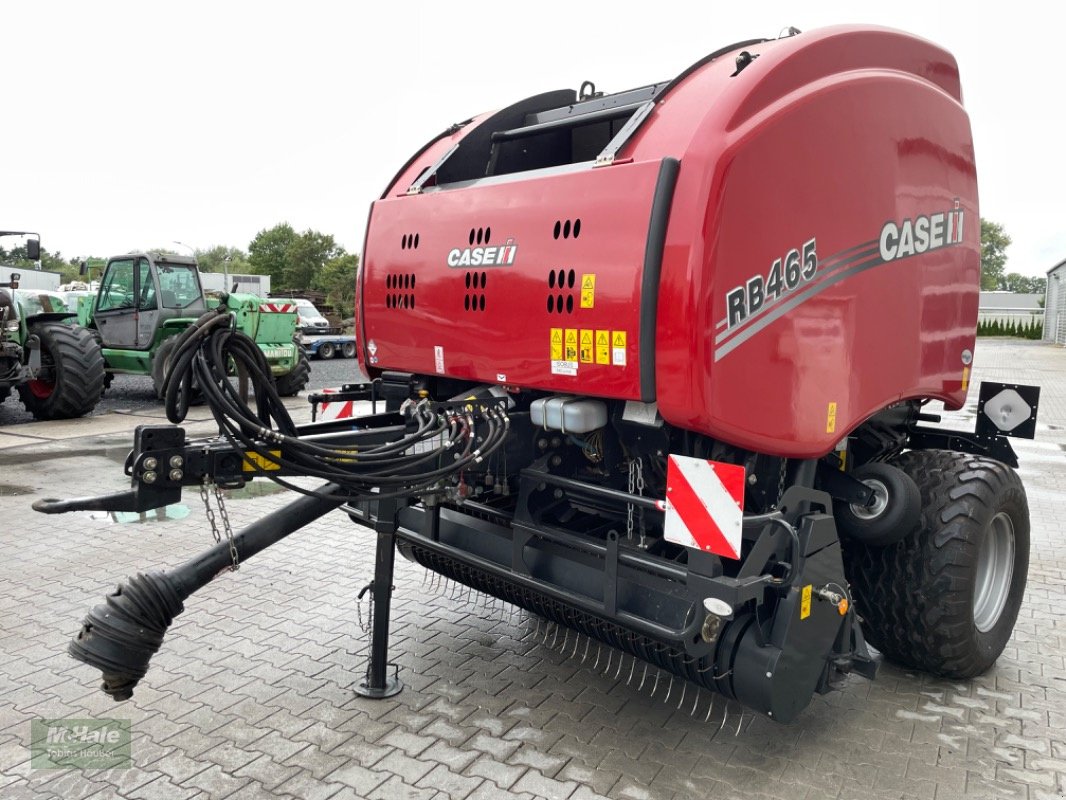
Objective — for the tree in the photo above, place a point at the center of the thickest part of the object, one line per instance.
(268, 252)
(292, 260)
(307, 257)
(1024, 284)
(50, 262)
(214, 260)
(337, 280)
(994, 244)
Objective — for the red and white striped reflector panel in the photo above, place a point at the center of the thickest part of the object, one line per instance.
(704, 505)
(340, 409)
(278, 308)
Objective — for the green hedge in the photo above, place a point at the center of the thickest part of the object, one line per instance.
(1033, 329)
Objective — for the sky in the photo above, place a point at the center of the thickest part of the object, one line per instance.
(136, 125)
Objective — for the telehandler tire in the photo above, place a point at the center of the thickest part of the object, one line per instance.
(945, 598)
(72, 377)
(160, 367)
(161, 363)
(292, 383)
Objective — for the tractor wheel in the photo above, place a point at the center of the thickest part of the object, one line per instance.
(4, 392)
(326, 350)
(72, 373)
(348, 349)
(945, 598)
(894, 513)
(291, 383)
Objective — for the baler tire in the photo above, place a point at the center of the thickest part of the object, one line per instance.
(78, 366)
(292, 383)
(896, 511)
(923, 600)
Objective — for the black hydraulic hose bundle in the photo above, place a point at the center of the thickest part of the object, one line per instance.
(441, 444)
(120, 636)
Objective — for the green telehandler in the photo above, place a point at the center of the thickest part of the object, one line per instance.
(146, 299)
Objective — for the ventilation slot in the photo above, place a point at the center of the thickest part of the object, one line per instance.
(560, 291)
(566, 229)
(474, 300)
(480, 235)
(400, 290)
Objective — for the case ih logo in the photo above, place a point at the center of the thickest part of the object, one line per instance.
(923, 233)
(496, 256)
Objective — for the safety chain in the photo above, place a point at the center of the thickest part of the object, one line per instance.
(364, 624)
(210, 511)
(222, 513)
(636, 486)
(781, 483)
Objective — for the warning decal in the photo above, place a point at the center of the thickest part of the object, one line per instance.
(704, 505)
(618, 348)
(557, 344)
(570, 348)
(588, 290)
(586, 347)
(254, 462)
(603, 347)
(831, 419)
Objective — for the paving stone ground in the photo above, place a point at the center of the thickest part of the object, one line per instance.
(251, 695)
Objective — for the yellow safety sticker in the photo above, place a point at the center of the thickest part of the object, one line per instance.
(586, 346)
(603, 347)
(831, 419)
(588, 290)
(255, 462)
(805, 602)
(571, 345)
(557, 344)
(965, 378)
(618, 348)
(842, 454)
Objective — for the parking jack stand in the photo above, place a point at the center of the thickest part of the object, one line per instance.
(377, 684)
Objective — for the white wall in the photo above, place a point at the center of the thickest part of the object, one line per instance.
(1055, 321)
(249, 284)
(31, 278)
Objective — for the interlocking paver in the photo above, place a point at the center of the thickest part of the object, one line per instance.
(252, 695)
(452, 783)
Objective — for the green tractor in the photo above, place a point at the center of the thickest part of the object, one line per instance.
(55, 364)
(146, 299)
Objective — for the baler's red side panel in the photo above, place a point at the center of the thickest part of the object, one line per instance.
(830, 163)
(815, 147)
(425, 311)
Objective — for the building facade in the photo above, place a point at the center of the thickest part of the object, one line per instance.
(1055, 305)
